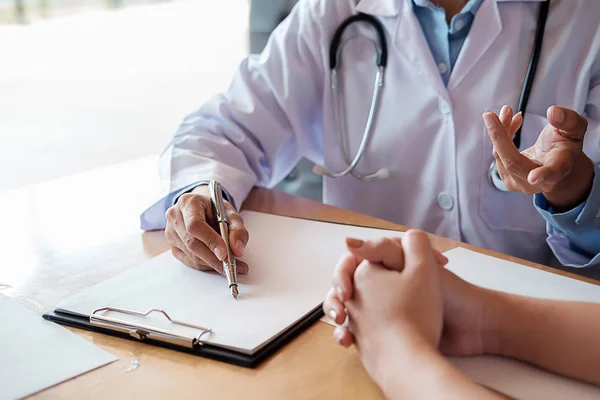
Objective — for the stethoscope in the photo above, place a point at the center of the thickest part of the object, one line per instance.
(382, 55)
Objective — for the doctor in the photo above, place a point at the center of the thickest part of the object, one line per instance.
(447, 64)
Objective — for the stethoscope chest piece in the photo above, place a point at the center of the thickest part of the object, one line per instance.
(495, 178)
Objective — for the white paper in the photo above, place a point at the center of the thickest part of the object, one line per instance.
(291, 265)
(495, 273)
(511, 377)
(36, 354)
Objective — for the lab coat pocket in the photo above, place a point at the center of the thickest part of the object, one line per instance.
(512, 211)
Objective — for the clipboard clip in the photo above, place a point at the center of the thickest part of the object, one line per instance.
(142, 332)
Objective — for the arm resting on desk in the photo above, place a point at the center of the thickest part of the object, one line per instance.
(424, 374)
(560, 336)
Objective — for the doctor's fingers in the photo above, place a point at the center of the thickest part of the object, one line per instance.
(238, 235)
(505, 116)
(333, 307)
(570, 124)
(177, 236)
(198, 255)
(511, 122)
(514, 183)
(179, 249)
(557, 166)
(514, 162)
(194, 209)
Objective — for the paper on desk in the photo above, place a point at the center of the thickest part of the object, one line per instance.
(291, 264)
(495, 273)
(36, 354)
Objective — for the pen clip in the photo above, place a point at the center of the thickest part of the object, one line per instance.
(216, 198)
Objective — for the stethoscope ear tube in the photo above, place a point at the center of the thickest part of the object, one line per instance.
(532, 67)
(337, 38)
(334, 51)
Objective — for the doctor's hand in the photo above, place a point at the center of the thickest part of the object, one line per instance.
(555, 165)
(193, 240)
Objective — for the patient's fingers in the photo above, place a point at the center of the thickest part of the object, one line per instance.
(384, 251)
(343, 336)
(334, 308)
(343, 276)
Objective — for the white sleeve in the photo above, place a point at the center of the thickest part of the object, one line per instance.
(256, 131)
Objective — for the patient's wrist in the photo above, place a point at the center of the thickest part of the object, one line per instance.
(506, 322)
(496, 316)
(410, 363)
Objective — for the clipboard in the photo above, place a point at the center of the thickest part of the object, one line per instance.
(192, 345)
(308, 279)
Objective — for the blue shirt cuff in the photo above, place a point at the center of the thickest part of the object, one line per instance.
(574, 235)
(587, 212)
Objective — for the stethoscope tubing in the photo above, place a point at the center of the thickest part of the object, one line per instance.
(382, 57)
(381, 62)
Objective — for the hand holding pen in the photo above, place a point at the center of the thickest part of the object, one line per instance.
(229, 263)
(193, 240)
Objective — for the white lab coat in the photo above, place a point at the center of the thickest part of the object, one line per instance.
(430, 137)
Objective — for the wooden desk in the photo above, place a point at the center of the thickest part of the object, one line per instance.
(66, 235)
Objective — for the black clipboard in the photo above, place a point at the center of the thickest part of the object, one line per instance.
(207, 350)
(204, 349)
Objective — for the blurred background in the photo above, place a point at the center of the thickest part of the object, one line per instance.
(88, 83)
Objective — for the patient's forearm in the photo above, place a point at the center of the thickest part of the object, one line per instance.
(421, 372)
(560, 336)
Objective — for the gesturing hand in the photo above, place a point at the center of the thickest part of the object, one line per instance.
(555, 165)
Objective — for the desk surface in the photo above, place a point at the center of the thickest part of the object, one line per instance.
(66, 235)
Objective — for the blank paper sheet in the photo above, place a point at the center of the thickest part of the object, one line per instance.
(36, 354)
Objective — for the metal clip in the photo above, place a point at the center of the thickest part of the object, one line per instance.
(142, 332)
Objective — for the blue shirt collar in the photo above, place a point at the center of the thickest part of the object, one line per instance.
(471, 7)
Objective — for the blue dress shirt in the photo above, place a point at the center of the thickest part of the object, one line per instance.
(445, 41)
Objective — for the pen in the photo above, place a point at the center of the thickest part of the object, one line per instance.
(229, 266)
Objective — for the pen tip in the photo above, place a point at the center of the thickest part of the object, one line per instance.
(234, 291)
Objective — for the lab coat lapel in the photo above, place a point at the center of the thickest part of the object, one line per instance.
(408, 38)
(410, 41)
(485, 29)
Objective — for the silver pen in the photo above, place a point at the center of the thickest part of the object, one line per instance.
(218, 204)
